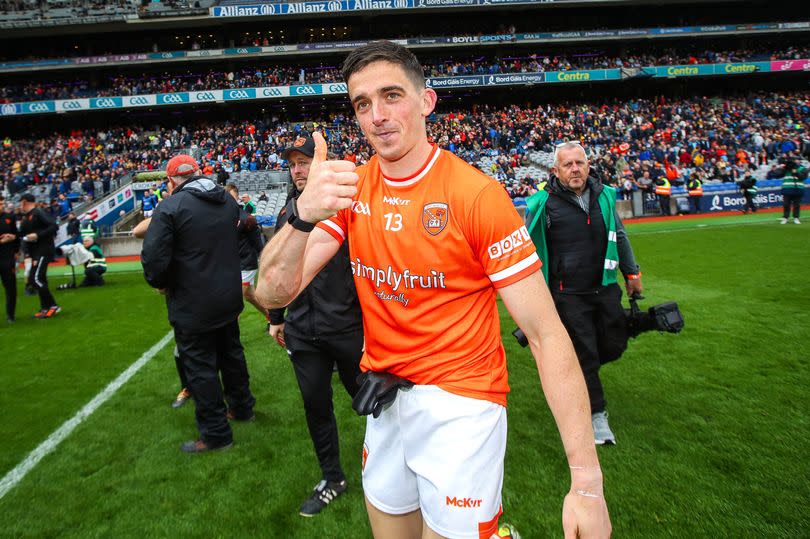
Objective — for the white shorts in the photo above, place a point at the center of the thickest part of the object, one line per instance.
(441, 453)
(248, 277)
(148, 213)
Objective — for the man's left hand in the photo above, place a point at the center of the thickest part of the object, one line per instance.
(32, 236)
(585, 516)
(634, 287)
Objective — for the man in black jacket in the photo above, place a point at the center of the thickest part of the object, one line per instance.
(323, 327)
(581, 240)
(38, 229)
(191, 253)
(9, 245)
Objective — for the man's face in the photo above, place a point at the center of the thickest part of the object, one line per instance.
(27, 206)
(299, 169)
(390, 109)
(572, 168)
(2, 206)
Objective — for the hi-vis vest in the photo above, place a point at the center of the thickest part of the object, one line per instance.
(89, 230)
(536, 205)
(665, 189)
(791, 182)
(98, 260)
(695, 188)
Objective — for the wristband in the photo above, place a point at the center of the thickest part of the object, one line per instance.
(587, 493)
(295, 220)
(633, 276)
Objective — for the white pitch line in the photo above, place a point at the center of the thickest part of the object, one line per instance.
(16, 475)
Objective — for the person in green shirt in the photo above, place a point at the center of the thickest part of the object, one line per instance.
(248, 205)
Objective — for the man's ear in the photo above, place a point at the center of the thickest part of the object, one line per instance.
(429, 99)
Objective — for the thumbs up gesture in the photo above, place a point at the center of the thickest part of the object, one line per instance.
(331, 185)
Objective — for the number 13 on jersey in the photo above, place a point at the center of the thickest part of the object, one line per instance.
(393, 222)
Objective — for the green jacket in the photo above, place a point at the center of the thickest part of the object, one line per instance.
(536, 205)
(792, 185)
(98, 259)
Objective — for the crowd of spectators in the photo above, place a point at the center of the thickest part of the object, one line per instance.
(82, 165)
(632, 142)
(283, 75)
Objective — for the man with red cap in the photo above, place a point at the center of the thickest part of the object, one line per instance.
(191, 254)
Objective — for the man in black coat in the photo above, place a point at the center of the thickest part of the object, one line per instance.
(38, 230)
(323, 327)
(191, 254)
(9, 245)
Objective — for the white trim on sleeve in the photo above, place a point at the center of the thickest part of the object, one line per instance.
(334, 226)
(514, 268)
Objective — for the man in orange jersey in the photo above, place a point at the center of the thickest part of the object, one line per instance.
(431, 241)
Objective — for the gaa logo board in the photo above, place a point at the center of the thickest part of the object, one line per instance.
(434, 217)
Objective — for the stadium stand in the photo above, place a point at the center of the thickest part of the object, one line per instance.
(512, 144)
(258, 75)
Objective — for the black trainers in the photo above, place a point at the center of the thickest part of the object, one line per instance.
(322, 495)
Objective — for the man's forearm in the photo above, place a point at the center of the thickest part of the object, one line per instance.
(567, 396)
(281, 267)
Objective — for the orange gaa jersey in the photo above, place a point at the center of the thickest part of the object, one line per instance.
(427, 254)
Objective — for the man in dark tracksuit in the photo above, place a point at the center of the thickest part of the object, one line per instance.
(581, 241)
(191, 253)
(38, 229)
(323, 327)
(9, 245)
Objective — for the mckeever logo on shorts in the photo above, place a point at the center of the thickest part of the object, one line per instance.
(463, 502)
(396, 280)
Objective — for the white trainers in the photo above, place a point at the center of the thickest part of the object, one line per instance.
(601, 430)
(796, 221)
(783, 221)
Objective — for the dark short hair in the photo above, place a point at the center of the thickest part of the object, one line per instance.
(384, 51)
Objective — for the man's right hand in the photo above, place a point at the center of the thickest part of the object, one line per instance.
(277, 332)
(331, 186)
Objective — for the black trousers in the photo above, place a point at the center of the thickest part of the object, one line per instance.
(694, 201)
(9, 278)
(749, 203)
(313, 362)
(791, 201)
(598, 329)
(663, 201)
(205, 357)
(93, 276)
(38, 278)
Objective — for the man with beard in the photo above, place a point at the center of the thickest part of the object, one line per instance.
(323, 327)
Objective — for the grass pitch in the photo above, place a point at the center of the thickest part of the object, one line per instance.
(712, 424)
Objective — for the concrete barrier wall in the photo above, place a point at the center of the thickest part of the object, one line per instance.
(121, 246)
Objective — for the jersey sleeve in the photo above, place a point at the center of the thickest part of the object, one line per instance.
(336, 226)
(499, 238)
